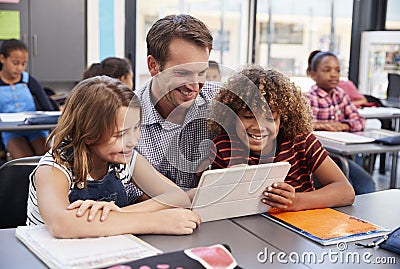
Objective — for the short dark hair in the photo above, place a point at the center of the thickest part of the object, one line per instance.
(315, 58)
(112, 66)
(10, 45)
(213, 64)
(182, 26)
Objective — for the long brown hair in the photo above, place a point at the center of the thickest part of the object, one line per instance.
(89, 115)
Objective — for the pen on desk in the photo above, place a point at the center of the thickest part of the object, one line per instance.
(381, 240)
(373, 244)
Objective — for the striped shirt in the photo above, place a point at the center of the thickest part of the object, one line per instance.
(124, 170)
(305, 156)
(335, 107)
(176, 150)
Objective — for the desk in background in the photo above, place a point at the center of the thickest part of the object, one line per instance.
(342, 149)
(377, 208)
(15, 121)
(19, 126)
(391, 102)
(382, 113)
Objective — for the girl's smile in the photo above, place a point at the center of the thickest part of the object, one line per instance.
(119, 147)
(257, 133)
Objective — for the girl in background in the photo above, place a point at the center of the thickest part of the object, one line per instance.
(357, 98)
(85, 185)
(332, 108)
(18, 92)
(333, 111)
(259, 116)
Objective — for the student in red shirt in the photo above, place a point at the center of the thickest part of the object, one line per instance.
(259, 116)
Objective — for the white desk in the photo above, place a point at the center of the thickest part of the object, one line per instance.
(377, 207)
(19, 126)
(244, 245)
(367, 148)
(15, 121)
(391, 113)
(391, 102)
(248, 236)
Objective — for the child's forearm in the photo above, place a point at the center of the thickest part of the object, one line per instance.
(333, 126)
(164, 201)
(332, 195)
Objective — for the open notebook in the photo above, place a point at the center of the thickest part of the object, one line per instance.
(97, 252)
(236, 191)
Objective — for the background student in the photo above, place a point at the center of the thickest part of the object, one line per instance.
(259, 116)
(114, 67)
(213, 72)
(18, 92)
(333, 111)
(175, 100)
(332, 108)
(357, 98)
(93, 165)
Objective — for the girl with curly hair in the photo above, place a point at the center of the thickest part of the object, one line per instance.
(259, 116)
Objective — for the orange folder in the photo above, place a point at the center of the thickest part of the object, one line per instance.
(327, 226)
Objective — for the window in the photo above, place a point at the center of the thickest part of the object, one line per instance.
(289, 30)
(227, 20)
(393, 15)
(283, 33)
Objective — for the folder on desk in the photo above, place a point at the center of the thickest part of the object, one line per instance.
(385, 137)
(326, 226)
(45, 119)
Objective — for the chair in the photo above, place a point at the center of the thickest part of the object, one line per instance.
(49, 92)
(386, 124)
(393, 90)
(14, 184)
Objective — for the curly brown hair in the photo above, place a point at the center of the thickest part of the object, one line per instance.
(249, 89)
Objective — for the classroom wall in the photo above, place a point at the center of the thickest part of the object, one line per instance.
(105, 35)
(105, 29)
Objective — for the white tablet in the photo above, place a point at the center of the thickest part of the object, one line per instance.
(236, 191)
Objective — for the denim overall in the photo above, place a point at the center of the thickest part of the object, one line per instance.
(109, 188)
(17, 97)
